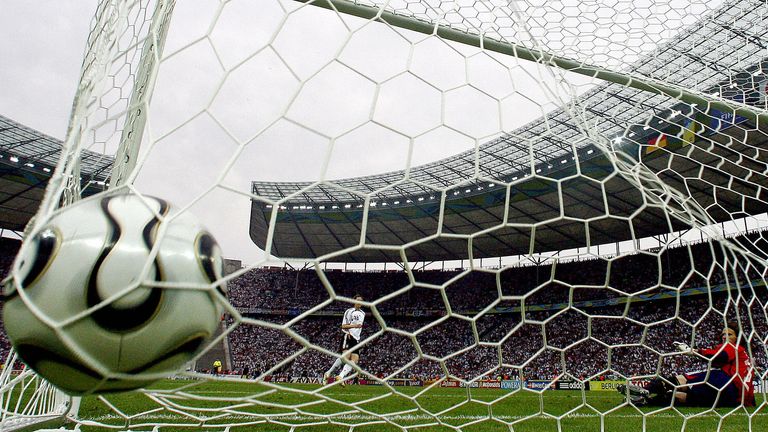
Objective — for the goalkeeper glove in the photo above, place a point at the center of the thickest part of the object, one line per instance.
(682, 347)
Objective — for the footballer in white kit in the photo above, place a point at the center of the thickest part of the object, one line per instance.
(352, 327)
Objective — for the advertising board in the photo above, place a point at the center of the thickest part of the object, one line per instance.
(604, 385)
(510, 384)
(538, 384)
(568, 385)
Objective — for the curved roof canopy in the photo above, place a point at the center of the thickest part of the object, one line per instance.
(27, 159)
(721, 55)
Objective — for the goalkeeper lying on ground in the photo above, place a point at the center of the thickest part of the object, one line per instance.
(728, 383)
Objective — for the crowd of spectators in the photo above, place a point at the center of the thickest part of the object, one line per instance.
(574, 343)
(564, 336)
(284, 291)
(8, 249)
(437, 323)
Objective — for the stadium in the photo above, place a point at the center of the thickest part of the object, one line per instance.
(606, 207)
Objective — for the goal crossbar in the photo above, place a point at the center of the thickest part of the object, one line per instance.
(758, 117)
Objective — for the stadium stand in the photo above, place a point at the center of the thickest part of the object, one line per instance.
(278, 295)
(8, 249)
(259, 349)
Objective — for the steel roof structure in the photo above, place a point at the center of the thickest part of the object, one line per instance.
(703, 57)
(27, 159)
(722, 55)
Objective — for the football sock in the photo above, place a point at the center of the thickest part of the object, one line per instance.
(670, 382)
(345, 370)
(658, 386)
(661, 399)
(335, 366)
(661, 392)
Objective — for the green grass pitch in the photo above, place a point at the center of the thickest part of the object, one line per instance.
(213, 405)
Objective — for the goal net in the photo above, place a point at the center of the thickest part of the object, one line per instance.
(546, 195)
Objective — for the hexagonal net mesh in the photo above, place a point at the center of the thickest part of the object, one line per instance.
(592, 173)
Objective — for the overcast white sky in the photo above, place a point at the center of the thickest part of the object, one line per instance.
(42, 51)
(341, 123)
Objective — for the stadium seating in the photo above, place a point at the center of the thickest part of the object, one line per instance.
(638, 348)
(280, 295)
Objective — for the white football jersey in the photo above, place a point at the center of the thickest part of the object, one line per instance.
(353, 316)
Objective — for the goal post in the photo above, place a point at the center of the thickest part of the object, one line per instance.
(30, 403)
(133, 131)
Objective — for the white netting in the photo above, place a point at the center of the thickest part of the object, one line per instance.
(596, 169)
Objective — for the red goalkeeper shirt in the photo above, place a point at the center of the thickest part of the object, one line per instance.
(736, 364)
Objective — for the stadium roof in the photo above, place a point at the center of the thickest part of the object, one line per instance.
(724, 49)
(27, 159)
(701, 58)
(710, 56)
